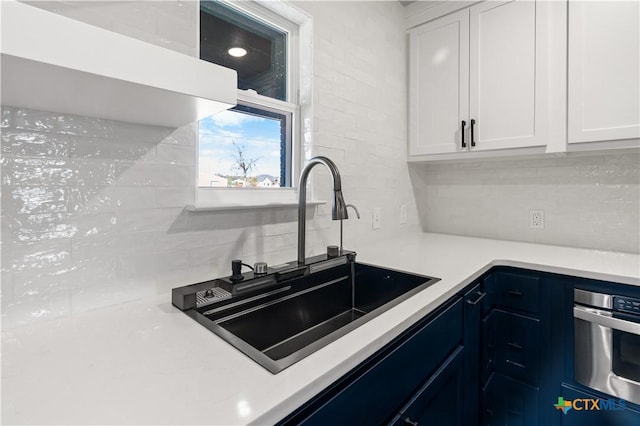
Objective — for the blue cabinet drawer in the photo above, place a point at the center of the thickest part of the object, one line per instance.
(514, 291)
(511, 345)
(375, 395)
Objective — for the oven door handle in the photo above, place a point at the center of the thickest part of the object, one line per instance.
(606, 320)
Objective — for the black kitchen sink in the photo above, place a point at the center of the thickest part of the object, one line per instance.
(283, 324)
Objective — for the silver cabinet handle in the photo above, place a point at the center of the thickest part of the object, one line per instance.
(410, 422)
(481, 296)
(606, 320)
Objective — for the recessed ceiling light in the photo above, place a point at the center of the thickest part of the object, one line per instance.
(237, 52)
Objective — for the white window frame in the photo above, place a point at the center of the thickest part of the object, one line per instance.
(298, 26)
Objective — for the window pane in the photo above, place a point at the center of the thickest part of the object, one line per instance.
(245, 147)
(263, 66)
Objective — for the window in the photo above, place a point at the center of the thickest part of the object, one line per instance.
(253, 144)
(247, 146)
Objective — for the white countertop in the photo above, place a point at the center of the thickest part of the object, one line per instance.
(148, 363)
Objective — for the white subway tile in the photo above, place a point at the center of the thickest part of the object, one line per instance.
(175, 197)
(256, 245)
(157, 175)
(185, 135)
(34, 144)
(35, 255)
(588, 201)
(29, 119)
(147, 220)
(130, 132)
(175, 154)
(218, 257)
(6, 120)
(109, 149)
(150, 264)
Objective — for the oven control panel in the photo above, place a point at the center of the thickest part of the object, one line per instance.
(626, 304)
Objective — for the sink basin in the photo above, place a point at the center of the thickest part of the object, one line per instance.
(282, 325)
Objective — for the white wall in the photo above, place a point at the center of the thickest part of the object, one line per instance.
(93, 210)
(589, 201)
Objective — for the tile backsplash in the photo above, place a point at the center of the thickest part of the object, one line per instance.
(93, 208)
(590, 201)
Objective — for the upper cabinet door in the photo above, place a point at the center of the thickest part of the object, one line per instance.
(604, 58)
(439, 84)
(508, 70)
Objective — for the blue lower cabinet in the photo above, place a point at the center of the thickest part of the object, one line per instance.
(508, 402)
(499, 353)
(440, 400)
(586, 409)
(512, 345)
(375, 392)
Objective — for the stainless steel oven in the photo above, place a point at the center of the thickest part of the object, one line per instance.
(607, 343)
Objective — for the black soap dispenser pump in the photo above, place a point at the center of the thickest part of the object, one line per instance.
(236, 270)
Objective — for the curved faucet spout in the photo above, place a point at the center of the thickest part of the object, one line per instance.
(338, 211)
(355, 209)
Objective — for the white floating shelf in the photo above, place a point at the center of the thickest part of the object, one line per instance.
(54, 63)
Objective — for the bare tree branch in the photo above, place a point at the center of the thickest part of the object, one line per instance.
(242, 164)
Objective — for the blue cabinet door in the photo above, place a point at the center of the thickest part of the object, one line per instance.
(508, 402)
(440, 400)
(472, 311)
(586, 414)
(512, 346)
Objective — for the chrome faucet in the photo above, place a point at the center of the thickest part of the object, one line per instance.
(338, 211)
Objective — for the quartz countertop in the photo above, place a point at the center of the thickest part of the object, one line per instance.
(146, 362)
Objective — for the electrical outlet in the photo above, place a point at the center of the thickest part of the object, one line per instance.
(375, 221)
(403, 213)
(536, 219)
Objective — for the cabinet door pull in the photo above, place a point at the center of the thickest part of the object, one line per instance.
(516, 293)
(514, 345)
(481, 296)
(408, 421)
(473, 142)
(464, 144)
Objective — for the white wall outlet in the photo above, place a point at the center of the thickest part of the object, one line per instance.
(403, 213)
(375, 220)
(536, 219)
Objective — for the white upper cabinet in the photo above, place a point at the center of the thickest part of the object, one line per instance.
(483, 69)
(509, 87)
(439, 82)
(54, 63)
(604, 71)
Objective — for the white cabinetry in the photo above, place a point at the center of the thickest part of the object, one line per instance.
(484, 68)
(439, 84)
(604, 71)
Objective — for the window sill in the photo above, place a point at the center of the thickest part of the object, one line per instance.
(228, 199)
(232, 207)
